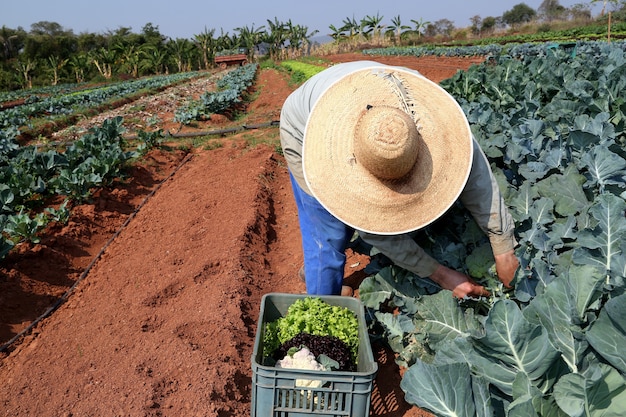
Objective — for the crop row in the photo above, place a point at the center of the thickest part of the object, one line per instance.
(554, 132)
(230, 89)
(70, 101)
(34, 93)
(580, 33)
(30, 178)
(300, 71)
(515, 50)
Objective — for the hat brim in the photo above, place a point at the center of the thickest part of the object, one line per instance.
(352, 194)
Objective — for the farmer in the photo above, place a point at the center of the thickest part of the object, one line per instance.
(383, 151)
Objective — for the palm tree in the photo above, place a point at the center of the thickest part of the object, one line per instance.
(250, 39)
(182, 52)
(56, 64)
(79, 63)
(26, 68)
(206, 44)
(420, 26)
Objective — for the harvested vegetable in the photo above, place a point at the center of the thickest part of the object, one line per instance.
(314, 316)
(320, 346)
(302, 358)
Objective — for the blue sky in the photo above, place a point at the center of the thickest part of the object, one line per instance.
(185, 18)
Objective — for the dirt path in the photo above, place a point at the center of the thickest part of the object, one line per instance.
(163, 322)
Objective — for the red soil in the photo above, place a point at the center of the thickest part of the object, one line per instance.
(169, 267)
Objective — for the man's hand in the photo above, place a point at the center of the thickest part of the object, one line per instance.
(460, 284)
(506, 265)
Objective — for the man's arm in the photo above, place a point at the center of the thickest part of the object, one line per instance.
(482, 197)
(407, 254)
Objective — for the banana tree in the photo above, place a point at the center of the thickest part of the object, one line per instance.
(352, 28)
(373, 24)
(250, 38)
(79, 64)
(298, 38)
(276, 38)
(396, 29)
(206, 44)
(26, 68)
(130, 56)
(336, 33)
(226, 42)
(104, 59)
(420, 25)
(154, 59)
(182, 51)
(56, 64)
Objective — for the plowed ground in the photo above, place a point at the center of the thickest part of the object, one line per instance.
(146, 302)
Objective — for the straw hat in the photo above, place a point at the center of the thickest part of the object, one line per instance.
(386, 150)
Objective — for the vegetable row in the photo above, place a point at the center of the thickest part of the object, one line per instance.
(229, 93)
(65, 101)
(554, 132)
(30, 178)
(516, 50)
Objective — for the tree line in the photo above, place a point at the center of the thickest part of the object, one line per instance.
(49, 54)
(401, 31)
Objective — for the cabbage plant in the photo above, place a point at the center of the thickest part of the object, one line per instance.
(552, 125)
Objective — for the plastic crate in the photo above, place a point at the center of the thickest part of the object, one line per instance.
(274, 390)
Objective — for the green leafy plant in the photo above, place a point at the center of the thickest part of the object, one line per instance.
(55, 101)
(24, 228)
(149, 140)
(231, 87)
(301, 71)
(553, 127)
(29, 177)
(313, 316)
(61, 214)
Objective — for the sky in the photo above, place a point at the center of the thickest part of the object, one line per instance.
(186, 18)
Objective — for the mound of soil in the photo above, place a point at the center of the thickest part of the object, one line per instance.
(146, 302)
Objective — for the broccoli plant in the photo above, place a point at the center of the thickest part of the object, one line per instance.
(554, 132)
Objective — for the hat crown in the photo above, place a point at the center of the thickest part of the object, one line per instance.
(386, 142)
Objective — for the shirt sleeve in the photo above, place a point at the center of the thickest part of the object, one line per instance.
(482, 198)
(403, 252)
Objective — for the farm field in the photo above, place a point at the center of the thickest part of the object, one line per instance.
(163, 323)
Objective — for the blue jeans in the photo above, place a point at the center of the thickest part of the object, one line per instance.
(324, 241)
